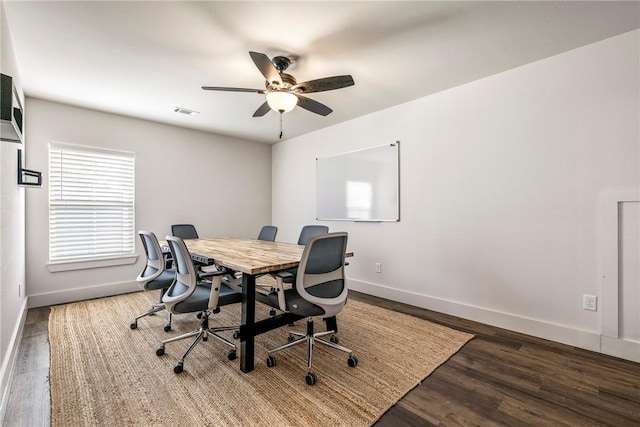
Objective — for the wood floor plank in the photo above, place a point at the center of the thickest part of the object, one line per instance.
(28, 402)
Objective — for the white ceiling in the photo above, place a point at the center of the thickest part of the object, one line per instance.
(143, 59)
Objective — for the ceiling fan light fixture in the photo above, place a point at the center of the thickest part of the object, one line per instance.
(280, 101)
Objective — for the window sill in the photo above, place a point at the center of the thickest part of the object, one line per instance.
(94, 263)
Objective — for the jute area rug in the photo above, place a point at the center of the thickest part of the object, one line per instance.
(102, 373)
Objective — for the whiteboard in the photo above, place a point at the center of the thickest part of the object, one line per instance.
(362, 185)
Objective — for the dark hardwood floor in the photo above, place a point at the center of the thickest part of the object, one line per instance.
(499, 378)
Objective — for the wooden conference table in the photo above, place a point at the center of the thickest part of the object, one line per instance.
(251, 258)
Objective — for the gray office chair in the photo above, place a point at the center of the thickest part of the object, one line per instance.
(310, 231)
(188, 231)
(320, 290)
(154, 276)
(268, 233)
(307, 232)
(184, 231)
(188, 295)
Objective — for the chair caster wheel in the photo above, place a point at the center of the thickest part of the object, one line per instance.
(232, 355)
(160, 350)
(236, 335)
(334, 339)
(352, 361)
(199, 315)
(271, 361)
(167, 328)
(178, 367)
(133, 325)
(290, 338)
(272, 312)
(311, 378)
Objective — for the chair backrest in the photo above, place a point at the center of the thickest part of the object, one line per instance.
(155, 259)
(268, 233)
(186, 279)
(311, 230)
(184, 231)
(321, 278)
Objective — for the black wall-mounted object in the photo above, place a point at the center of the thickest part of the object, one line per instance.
(26, 177)
(10, 111)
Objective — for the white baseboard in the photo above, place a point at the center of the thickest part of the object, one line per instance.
(624, 349)
(79, 294)
(550, 331)
(8, 362)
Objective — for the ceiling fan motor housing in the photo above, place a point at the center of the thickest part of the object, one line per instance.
(287, 81)
(281, 63)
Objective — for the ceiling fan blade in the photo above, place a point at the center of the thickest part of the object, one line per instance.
(328, 83)
(262, 110)
(232, 89)
(266, 67)
(313, 106)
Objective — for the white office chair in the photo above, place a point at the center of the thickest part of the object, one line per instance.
(154, 276)
(188, 295)
(320, 290)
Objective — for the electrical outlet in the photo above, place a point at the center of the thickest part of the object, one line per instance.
(590, 302)
(378, 267)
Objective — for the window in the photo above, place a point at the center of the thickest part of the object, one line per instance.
(91, 203)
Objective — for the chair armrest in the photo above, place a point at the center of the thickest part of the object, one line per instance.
(282, 303)
(204, 275)
(216, 283)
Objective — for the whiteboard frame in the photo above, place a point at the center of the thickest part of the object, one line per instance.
(397, 159)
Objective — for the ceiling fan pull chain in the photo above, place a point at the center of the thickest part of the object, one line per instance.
(281, 124)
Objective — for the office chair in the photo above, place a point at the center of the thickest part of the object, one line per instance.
(188, 295)
(320, 290)
(184, 231)
(305, 233)
(188, 231)
(310, 231)
(154, 276)
(268, 233)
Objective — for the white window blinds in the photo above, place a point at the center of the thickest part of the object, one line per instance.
(91, 203)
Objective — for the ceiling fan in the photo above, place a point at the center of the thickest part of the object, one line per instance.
(283, 92)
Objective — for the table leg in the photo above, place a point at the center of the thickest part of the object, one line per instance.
(247, 329)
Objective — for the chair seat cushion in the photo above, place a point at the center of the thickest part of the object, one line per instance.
(199, 300)
(298, 305)
(229, 295)
(161, 282)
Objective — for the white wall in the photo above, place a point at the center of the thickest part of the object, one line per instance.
(500, 180)
(220, 184)
(12, 230)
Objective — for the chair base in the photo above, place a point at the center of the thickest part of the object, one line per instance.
(153, 310)
(311, 339)
(200, 334)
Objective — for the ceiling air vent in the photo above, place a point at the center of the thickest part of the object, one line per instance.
(185, 111)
